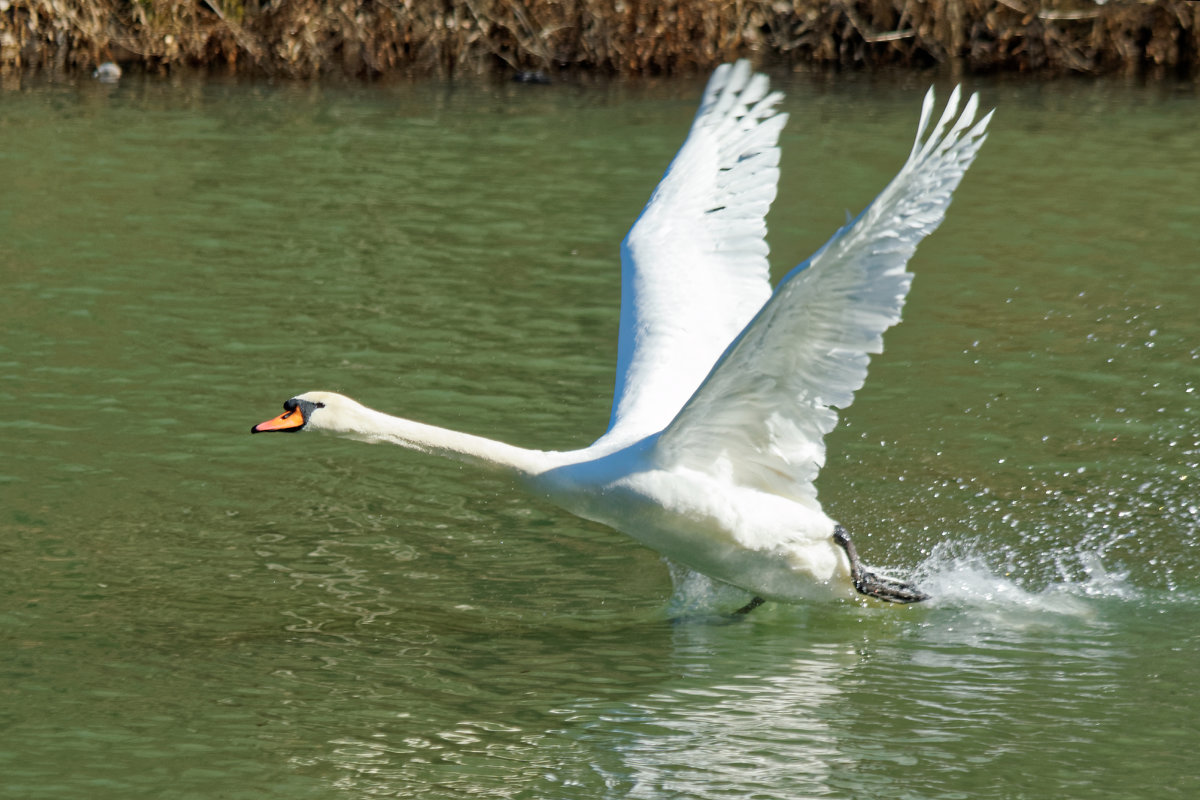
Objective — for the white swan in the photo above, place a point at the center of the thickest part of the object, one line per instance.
(725, 389)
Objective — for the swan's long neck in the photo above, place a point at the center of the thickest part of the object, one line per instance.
(364, 424)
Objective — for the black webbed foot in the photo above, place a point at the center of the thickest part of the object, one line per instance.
(724, 618)
(753, 604)
(872, 585)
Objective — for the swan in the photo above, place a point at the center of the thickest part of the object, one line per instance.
(725, 389)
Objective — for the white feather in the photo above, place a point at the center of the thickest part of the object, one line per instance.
(765, 408)
(694, 266)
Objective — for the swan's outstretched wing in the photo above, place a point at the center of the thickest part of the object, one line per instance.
(761, 415)
(694, 266)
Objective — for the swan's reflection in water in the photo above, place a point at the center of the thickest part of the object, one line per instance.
(735, 721)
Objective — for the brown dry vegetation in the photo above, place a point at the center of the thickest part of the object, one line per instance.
(305, 38)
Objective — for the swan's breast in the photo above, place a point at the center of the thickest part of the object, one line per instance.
(762, 542)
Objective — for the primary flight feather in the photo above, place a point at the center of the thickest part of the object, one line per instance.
(725, 389)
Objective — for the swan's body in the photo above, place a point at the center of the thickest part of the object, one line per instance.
(724, 389)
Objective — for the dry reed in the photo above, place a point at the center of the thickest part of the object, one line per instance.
(306, 38)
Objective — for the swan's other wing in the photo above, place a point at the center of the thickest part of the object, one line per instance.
(694, 266)
(761, 416)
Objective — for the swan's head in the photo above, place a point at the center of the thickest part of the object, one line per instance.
(313, 411)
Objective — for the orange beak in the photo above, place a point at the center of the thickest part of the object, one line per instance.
(289, 421)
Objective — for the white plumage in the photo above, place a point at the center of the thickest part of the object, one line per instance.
(725, 389)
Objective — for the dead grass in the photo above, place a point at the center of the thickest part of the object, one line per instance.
(307, 38)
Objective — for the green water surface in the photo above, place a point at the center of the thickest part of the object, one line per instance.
(190, 612)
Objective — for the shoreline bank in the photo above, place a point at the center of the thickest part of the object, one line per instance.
(368, 38)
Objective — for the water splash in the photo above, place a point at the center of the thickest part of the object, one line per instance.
(963, 575)
(698, 595)
(966, 575)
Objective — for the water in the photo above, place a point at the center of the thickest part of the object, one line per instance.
(189, 612)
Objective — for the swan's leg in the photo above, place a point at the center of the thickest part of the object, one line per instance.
(872, 585)
(753, 604)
